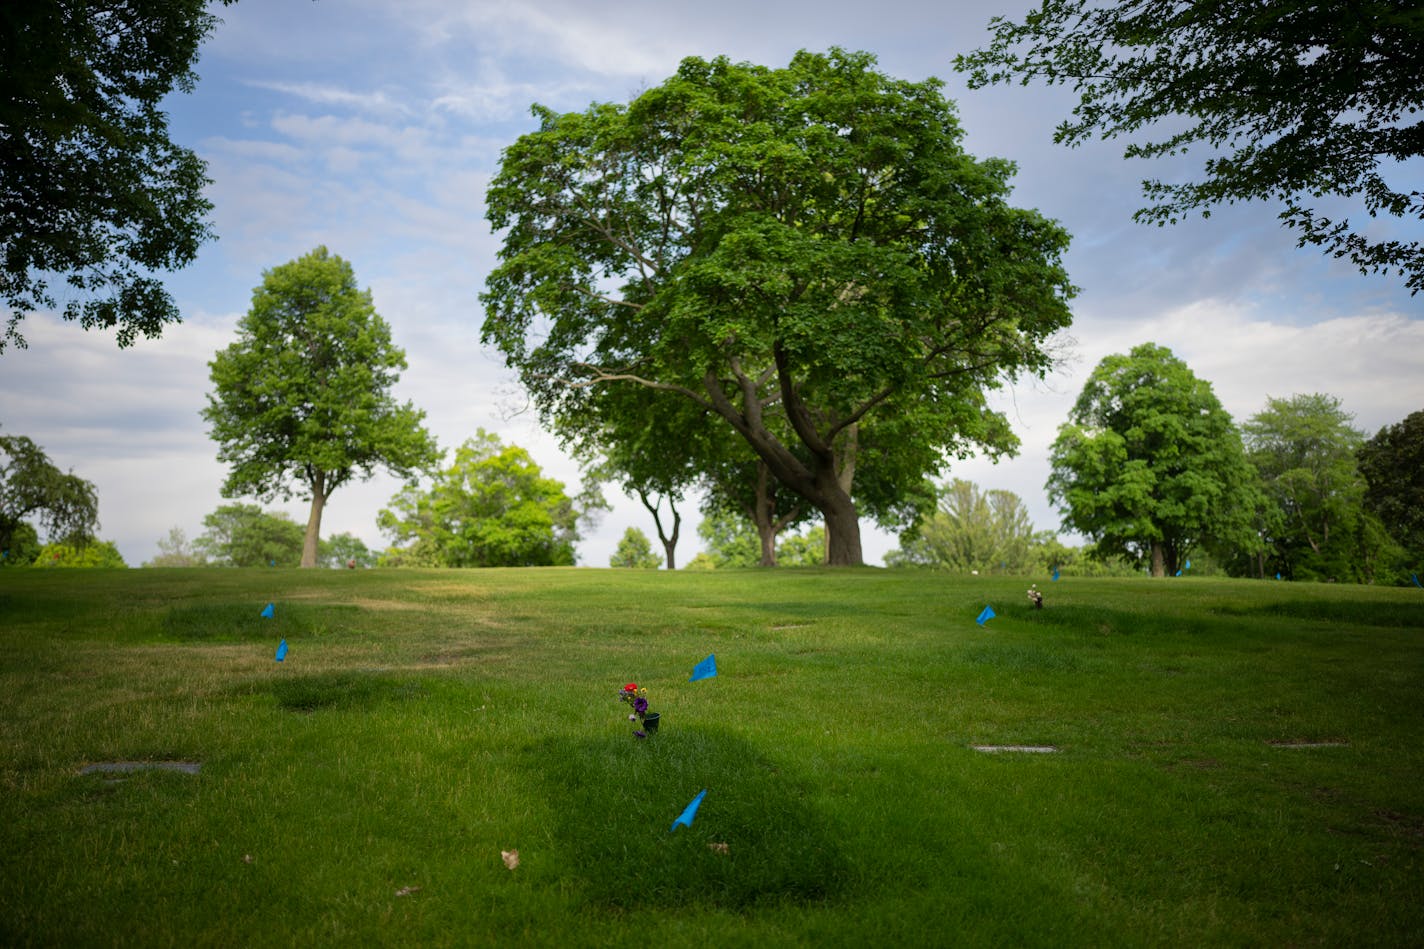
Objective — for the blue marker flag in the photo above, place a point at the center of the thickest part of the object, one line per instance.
(1055, 574)
(985, 616)
(1177, 574)
(688, 812)
(1278, 576)
(705, 669)
(282, 651)
(1189, 565)
(269, 611)
(1415, 578)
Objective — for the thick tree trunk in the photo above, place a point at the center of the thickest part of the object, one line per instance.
(313, 536)
(820, 482)
(766, 533)
(842, 533)
(1159, 566)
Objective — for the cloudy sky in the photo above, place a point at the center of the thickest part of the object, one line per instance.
(373, 127)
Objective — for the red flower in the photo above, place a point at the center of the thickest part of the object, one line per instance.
(631, 687)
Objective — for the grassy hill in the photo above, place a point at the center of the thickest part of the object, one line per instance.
(1235, 763)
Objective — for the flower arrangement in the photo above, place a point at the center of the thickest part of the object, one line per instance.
(638, 698)
(1035, 597)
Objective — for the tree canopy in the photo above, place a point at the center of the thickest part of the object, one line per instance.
(63, 505)
(1292, 101)
(302, 399)
(806, 254)
(92, 190)
(1304, 448)
(1392, 463)
(492, 507)
(1149, 464)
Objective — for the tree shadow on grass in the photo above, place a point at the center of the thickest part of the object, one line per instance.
(616, 798)
(343, 690)
(243, 622)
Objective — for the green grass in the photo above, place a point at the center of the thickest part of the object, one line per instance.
(425, 721)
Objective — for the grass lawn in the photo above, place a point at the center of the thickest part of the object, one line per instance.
(1237, 763)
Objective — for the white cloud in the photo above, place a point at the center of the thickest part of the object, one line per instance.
(323, 94)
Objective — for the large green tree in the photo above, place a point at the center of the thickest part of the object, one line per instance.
(1392, 464)
(1149, 464)
(302, 401)
(62, 504)
(492, 507)
(1291, 101)
(1304, 449)
(244, 535)
(971, 530)
(802, 253)
(92, 190)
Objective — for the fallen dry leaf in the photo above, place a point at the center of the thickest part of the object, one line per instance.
(407, 890)
(717, 848)
(511, 858)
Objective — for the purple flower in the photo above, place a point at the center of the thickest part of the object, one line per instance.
(640, 705)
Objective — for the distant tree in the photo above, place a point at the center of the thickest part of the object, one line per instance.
(741, 487)
(635, 550)
(1304, 449)
(970, 529)
(729, 540)
(1150, 466)
(806, 549)
(648, 443)
(244, 535)
(1049, 554)
(64, 506)
(493, 507)
(1392, 464)
(92, 553)
(175, 551)
(800, 253)
(91, 188)
(1292, 101)
(701, 561)
(345, 550)
(302, 400)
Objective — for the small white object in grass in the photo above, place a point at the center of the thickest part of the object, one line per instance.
(511, 858)
(1024, 749)
(974, 573)
(407, 890)
(717, 848)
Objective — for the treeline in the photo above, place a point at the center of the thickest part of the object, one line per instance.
(1153, 469)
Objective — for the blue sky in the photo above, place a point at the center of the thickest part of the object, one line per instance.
(373, 127)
